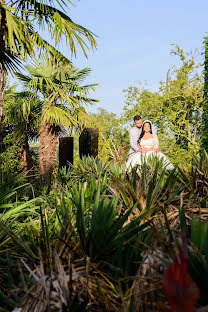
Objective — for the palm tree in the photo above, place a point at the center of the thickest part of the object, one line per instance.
(19, 39)
(63, 99)
(22, 115)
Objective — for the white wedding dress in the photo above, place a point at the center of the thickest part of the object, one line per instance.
(136, 158)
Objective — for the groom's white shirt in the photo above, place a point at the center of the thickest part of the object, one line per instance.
(134, 134)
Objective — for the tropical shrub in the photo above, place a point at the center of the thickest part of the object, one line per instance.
(10, 164)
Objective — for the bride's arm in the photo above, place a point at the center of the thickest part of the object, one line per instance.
(142, 149)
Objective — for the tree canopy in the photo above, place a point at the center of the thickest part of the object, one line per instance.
(176, 108)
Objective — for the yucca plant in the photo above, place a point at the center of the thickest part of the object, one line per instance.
(14, 215)
(111, 240)
(58, 258)
(12, 203)
(195, 181)
(101, 228)
(87, 259)
(86, 167)
(148, 186)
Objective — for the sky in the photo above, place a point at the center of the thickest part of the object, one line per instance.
(134, 41)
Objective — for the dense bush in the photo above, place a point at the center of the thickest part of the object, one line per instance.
(99, 236)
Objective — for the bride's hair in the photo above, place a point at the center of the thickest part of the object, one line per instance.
(142, 133)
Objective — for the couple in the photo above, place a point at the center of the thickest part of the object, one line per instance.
(144, 142)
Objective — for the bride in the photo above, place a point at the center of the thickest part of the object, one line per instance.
(148, 145)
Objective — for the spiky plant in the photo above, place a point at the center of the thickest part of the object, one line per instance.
(149, 186)
(86, 167)
(195, 181)
(14, 215)
(83, 260)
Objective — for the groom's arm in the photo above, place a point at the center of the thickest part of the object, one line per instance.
(133, 141)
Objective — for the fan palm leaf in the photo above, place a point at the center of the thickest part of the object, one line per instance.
(58, 86)
(58, 22)
(9, 62)
(21, 38)
(149, 186)
(17, 32)
(56, 115)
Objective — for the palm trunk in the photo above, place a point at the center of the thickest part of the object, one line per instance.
(2, 74)
(2, 133)
(48, 149)
(26, 158)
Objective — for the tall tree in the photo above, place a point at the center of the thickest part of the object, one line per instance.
(112, 134)
(205, 102)
(176, 107)
(18, 37)
(64, 97)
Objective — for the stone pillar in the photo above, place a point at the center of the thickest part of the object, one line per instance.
(88, 142)
(66, 147)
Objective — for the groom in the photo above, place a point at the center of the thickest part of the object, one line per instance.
(134, 135)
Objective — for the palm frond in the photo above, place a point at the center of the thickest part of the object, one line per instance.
(9, 62)
(39, 8)
(55, 56)
(59, 24)
(22, 40)
(56, 115)
(18, 33)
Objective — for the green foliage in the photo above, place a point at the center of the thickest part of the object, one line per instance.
(10, 164)
(111, 135)
(12, 201)
(105, 233)
(61, 89)
(149, 186)
(86, 168)
(176, 108)
(89, 169)
(99, 229)
(198, 260)
(194, 181)
(199, 234)
(205, 100)
(22, 114)
(15, 212)
(86, 224)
